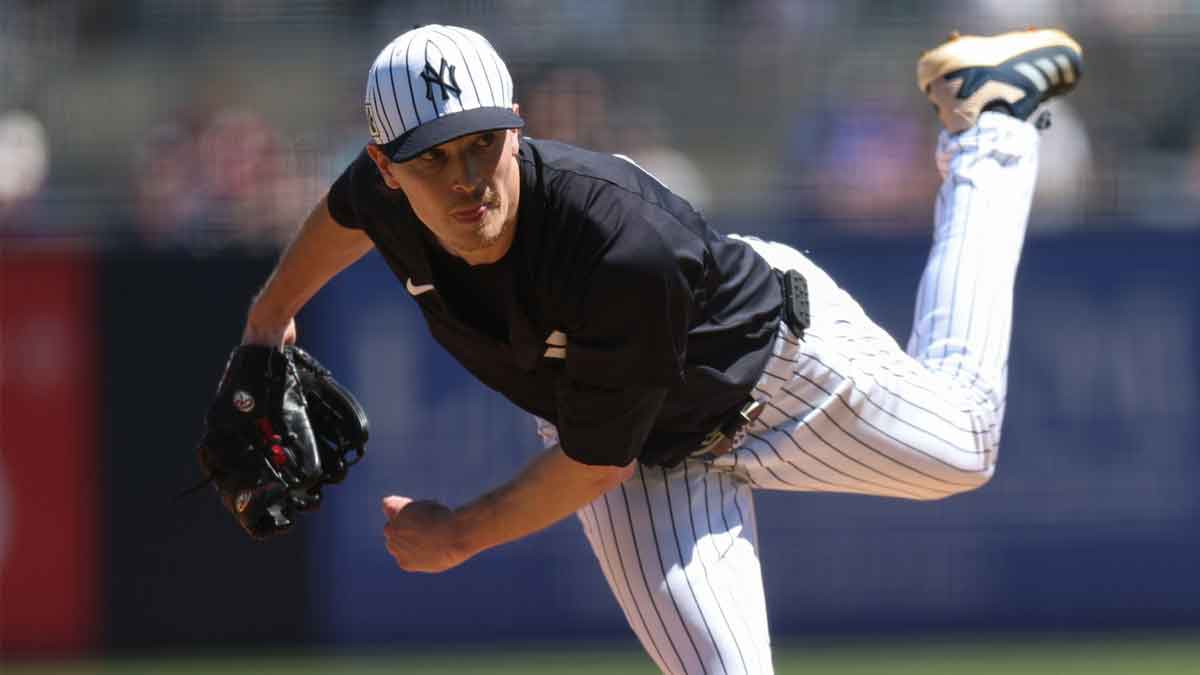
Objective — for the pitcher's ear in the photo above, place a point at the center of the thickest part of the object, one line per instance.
(382, 162)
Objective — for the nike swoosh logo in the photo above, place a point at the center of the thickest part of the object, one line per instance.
(417, 290)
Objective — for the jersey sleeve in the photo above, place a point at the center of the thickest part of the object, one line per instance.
(627, 347)
(632, 317)
(605, 426)
(340, 199)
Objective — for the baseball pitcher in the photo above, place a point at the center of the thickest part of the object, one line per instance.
(673, 370)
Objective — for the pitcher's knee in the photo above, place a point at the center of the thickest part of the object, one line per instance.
(968, 477)
(980, 432)
(973, 480)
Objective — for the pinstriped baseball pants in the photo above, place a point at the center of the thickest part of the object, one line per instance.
(847, 410)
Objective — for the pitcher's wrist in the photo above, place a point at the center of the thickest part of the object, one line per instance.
(274, 332)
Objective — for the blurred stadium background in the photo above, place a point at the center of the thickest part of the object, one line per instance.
(155, 156)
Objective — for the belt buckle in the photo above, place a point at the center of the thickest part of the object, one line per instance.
(730, 434)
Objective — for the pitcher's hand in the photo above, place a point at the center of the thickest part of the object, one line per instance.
(421, 535)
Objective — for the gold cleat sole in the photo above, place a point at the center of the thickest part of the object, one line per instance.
(974, 51)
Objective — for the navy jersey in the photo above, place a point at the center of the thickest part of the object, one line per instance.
(618, 314)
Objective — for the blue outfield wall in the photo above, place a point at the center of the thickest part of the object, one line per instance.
(1091, 521)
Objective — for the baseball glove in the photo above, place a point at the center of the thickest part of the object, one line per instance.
(279, 430)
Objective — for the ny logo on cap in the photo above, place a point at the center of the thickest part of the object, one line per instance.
(439, 78)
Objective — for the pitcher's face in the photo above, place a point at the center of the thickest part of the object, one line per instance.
(465, 191)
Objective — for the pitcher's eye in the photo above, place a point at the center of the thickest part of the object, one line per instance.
(431, 156)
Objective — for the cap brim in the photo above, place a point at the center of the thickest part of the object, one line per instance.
(450, 127)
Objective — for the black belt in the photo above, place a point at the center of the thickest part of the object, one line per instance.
(730, 433)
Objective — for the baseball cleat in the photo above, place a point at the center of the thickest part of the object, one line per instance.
(1015, 72)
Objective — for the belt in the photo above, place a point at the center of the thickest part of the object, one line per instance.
(731, 432)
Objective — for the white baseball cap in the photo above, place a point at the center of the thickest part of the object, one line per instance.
(434, 84)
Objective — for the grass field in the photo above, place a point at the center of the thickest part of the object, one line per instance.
(1178, 655)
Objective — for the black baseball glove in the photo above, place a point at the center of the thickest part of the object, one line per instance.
(279, 430)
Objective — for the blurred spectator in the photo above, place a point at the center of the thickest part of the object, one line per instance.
(570, 105)
(642, 136)
(228, 180)
(866, 167)
(167, 202)
(24, 163)
(573, 105)
(245, 169)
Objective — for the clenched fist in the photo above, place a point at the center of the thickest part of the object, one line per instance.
(422, 535)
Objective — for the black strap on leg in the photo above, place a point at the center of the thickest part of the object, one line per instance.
(795, 301)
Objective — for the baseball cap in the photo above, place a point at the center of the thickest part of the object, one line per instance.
(434, 84)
